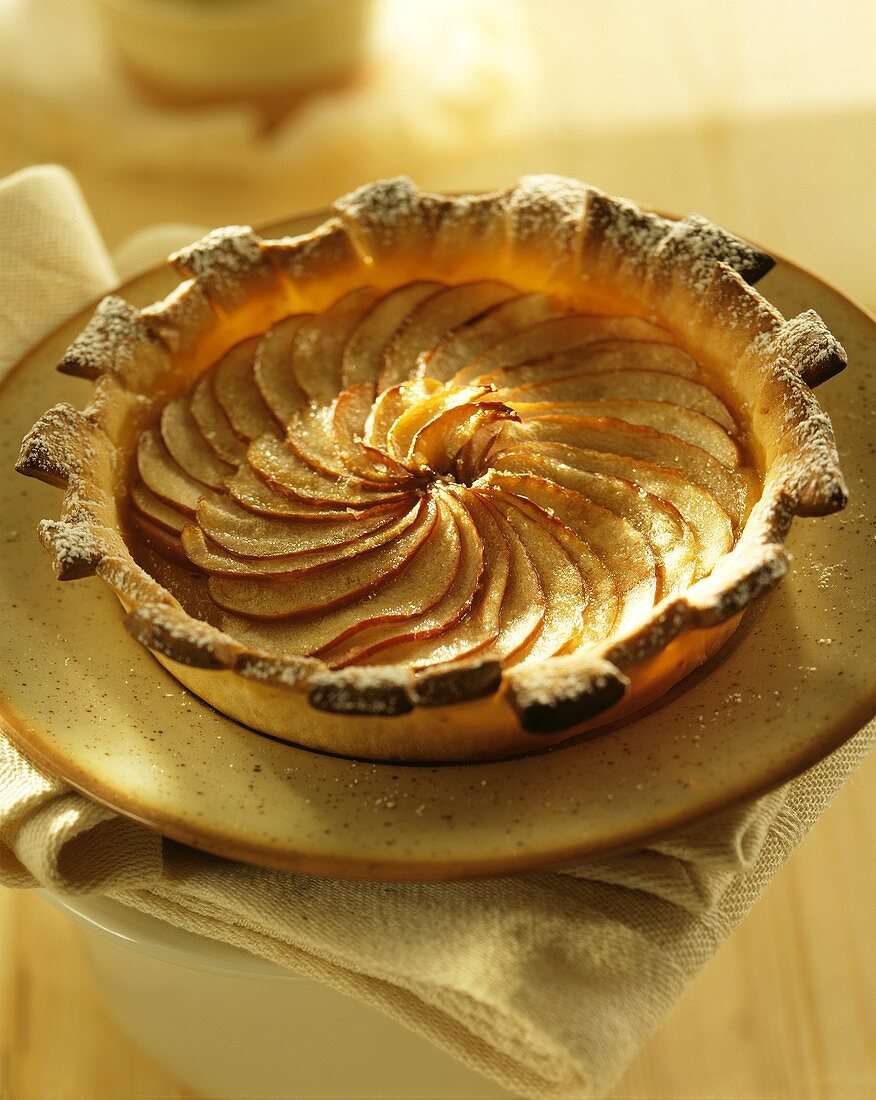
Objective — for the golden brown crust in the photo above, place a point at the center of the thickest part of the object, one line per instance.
(545, 235)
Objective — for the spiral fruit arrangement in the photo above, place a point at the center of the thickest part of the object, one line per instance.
(449, 477)
(439, 472)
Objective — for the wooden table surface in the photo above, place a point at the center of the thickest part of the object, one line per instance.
(786, 1010)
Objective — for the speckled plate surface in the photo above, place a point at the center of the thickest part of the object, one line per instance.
(83, 698)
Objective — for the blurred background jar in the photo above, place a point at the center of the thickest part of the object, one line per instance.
(269, 54)
(760, 116)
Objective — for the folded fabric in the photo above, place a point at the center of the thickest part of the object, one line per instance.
(548, 983)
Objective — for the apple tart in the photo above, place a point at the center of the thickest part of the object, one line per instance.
(449, 477)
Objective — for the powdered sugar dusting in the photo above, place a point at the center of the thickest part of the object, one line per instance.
(57, 444)
(181, 317)
(694, 247)
(379, 212)
(378, 689)
(288, 672)
(75, 547)
(549, 211)
(115, 339)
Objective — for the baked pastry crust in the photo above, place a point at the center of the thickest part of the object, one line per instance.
(546, 235)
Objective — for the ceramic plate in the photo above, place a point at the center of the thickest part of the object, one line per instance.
(96, 709)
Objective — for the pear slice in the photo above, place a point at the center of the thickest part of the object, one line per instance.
(214, 559)
(349, 414)
(629, 383)
(459, 347)
(187, 446)
(480, 625)
(437, 619)
(401, 433)
(236, 391)
(156, 510)
(438, 445)
(431, 320)
(253, 494)
(708, 523)
(280, 467)
(599, 357)
(638, 442)
(310, 436)
(390, 405)
(623, 550)
(554, 335)
(319, 345)
(163, 476)
(315, 591)
(560, 579)
(599, 609)
(245, 534)
(411, 591)
(685, 424)
(365, 350)
(524, 604)
(272, 370)
(214, 424)
(671, 540)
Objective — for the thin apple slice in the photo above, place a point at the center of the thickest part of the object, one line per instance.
(581, 608)
(437, 619)
(214, 559)
(312, 437)
(253, 494)
(673, 420)
(629, 383)
(622, 550)
(555, 335)
(596, 358)
(481, 625)
(671, 541)
(412, 591)
(364, 353)
(560, 580)
(245, 534)
(214, 424)
(599, 613)
(235, 390)
(272, 370)
(431, 320)
(320, 342)
(350, 414)
(279, 466)
(438, 445)
(637, 442)
(318, 590)
(156, 510)
(708, 523)
(390, 405)
(160, 473)
(459, 347)
(187, 446)
(401, 433)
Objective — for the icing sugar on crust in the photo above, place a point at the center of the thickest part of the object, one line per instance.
(545, 235)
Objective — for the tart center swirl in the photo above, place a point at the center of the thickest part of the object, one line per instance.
(434, 473)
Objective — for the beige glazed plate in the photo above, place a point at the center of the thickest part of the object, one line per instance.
(79, 695)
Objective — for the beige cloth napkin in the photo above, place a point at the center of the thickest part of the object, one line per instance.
(548, 983)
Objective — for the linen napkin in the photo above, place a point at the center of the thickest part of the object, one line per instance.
(548, 983)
